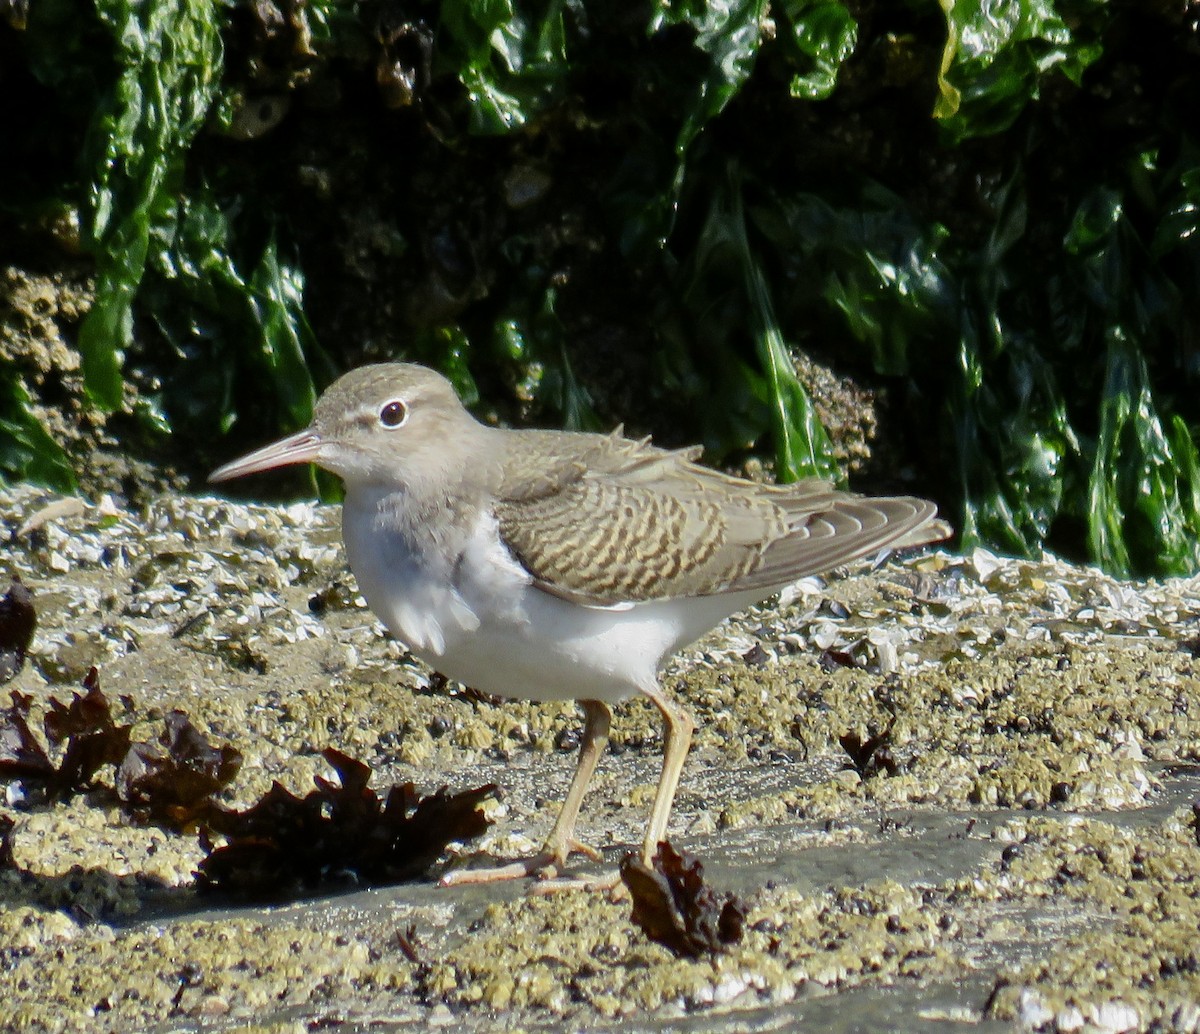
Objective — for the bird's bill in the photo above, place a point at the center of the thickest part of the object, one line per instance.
(301, 447)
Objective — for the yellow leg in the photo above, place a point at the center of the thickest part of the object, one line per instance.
(678, 727)
(561, 842)
(676, 741)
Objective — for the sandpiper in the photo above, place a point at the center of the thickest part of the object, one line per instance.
(555, 565)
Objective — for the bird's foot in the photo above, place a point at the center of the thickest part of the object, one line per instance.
(517, 870)
(545, 866)
(609, 884)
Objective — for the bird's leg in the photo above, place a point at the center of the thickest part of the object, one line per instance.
(561, 842)
(677, 739)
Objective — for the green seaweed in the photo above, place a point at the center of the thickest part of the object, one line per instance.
(27, 451)
(996, 56)
(802, 448)
(824, 34)
(169, 52)
(510, 58)
(728, 33)
(726, 312)
(276, 291)
(989, 212)
(1143, 475)
(544, 336)
(1013, 437)
(230, 329)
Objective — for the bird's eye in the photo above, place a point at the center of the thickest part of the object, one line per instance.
(393, 414)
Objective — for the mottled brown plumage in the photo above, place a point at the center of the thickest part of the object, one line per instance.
(550, 565)
(629, 522)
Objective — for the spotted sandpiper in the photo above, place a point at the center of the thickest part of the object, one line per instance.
(554, 565)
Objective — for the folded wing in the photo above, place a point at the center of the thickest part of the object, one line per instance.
(622, 522)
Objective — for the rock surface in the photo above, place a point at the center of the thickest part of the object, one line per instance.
(1021, 850)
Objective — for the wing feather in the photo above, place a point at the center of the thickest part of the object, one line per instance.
(611, 521)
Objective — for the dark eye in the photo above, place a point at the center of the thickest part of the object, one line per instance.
(393, 413)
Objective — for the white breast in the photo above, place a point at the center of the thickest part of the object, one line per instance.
(409, 588)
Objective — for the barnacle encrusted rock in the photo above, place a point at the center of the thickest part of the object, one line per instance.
(1033, 857)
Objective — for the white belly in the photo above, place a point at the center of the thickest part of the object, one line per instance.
(484, 623)
(565, 651)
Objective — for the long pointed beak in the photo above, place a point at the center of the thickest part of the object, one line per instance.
(301, 447)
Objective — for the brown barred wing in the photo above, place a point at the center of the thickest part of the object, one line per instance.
(602, 542)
